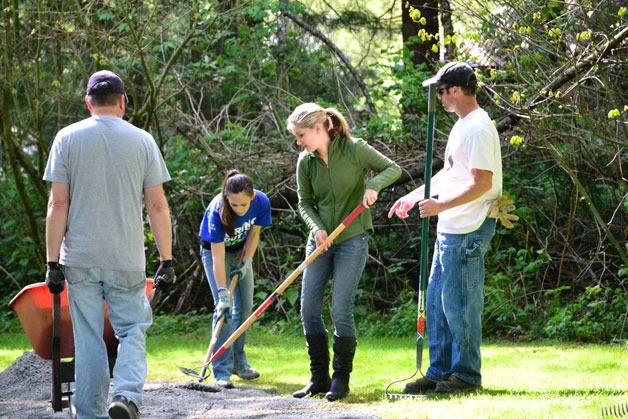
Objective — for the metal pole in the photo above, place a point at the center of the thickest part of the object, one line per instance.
(425, 225)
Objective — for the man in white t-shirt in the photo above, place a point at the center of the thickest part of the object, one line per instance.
(101, 169)
(462, 193)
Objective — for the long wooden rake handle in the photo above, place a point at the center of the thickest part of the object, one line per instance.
(221, 321)
(286, 283)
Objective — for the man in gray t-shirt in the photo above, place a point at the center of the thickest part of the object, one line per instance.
(100, 169)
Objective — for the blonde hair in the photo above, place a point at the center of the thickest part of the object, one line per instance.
(308, 115)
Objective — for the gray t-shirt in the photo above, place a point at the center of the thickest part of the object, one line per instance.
(107, 162)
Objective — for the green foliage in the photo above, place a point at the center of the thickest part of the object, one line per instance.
(214, 85)
(516, 308)
(510, 294)
(398, 321)
(193, 322)
(599, 314)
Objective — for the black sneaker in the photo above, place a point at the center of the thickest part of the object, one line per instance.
(420, 386)
(123, 408)
(456, 385)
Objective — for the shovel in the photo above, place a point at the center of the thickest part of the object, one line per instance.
(425, 224)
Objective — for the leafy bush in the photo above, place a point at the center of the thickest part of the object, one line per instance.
(599, 314)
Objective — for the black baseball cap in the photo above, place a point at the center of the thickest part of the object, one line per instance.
(105, 82)
(454, 74)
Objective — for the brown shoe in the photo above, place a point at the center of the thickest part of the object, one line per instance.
(419, 386)
(455, 385)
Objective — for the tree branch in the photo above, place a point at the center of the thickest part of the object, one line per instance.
(318, 34)
(569, 74)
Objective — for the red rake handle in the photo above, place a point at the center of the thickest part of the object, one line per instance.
(286, 283)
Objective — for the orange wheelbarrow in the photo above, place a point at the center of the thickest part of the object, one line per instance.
(46, 321)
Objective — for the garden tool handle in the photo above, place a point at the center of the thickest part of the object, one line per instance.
(221, 321)
(286, 283)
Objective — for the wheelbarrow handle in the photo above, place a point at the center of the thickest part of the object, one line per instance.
(56, 397)
(286, 283)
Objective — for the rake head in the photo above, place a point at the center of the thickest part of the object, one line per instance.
(192, 373)
(394, 396)
(397, 396)
(619, 410)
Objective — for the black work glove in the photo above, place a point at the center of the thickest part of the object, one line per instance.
(55, 279)
(165, 277)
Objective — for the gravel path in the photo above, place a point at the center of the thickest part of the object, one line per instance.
(25, 394)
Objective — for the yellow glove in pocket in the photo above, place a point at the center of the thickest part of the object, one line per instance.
(501, 209)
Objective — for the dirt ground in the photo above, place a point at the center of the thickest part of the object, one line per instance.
(25, 394)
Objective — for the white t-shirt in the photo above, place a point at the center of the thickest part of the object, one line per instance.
(473, 144)
(107, 162)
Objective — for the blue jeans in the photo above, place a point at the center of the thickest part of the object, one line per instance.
(344, 262)
(130, 316)
(455, 300)
(233, 360)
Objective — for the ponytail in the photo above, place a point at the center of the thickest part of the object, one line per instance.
(338, 126)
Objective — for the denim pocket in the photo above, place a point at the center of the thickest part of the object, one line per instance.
(127, 280)
(475, 265)
(75, 276)
(474, 252)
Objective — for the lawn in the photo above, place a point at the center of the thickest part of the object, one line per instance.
(521, 380)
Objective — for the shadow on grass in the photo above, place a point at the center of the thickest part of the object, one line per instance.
(558, 392)
(375, 395)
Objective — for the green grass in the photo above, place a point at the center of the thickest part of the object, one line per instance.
(521, 380)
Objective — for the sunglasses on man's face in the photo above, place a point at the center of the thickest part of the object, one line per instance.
(441, 90)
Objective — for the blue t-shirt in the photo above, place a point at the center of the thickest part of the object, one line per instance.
(212, 229)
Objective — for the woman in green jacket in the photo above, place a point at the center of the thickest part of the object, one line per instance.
(331, 180)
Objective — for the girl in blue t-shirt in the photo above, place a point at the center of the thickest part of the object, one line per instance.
(231, 228)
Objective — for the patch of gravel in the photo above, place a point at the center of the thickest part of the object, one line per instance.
(25, 394)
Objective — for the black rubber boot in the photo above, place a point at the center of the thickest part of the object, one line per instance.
(318, 349)
(344, 351)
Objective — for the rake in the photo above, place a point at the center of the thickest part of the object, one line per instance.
(212, 344)
(420, 324)
(286, 283)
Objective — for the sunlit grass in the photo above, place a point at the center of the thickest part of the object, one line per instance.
(521, 380)
(12, 347)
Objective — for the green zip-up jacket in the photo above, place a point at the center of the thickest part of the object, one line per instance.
(328, 193)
